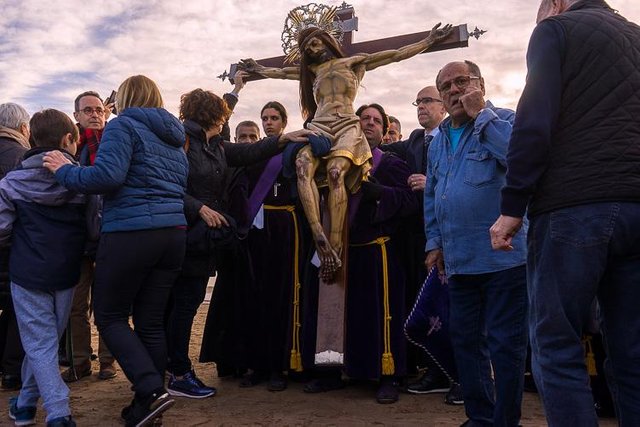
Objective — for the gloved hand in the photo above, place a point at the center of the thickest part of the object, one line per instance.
(371, 190)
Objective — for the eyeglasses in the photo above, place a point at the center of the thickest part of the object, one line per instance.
(461, 82)
(89, 111)
(426, 100)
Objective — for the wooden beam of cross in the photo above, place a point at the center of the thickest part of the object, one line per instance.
(349, 23)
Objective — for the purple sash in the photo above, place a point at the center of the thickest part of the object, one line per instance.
(265, 182)
(354, 199)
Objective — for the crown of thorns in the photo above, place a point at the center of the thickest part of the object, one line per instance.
(312, 15)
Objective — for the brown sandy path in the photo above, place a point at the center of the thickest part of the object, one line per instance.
(98, 403)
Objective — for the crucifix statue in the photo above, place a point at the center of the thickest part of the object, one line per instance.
(329, 81)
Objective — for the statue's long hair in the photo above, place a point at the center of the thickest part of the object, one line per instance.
(307, 101)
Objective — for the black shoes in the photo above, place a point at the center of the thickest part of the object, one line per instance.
(322, 385)
(529, 383)
(252, 379)
(144, 411)
(454, 395)
(11, 382)
(62, 422)
(277, 382)
(387, 391)
(431, 382)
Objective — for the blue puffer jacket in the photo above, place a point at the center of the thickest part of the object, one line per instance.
(140, 168)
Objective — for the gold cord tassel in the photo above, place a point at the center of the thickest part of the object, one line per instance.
(388, 365)
(590, 358)
(295, 359)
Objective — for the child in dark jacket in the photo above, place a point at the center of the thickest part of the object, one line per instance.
(46, 226)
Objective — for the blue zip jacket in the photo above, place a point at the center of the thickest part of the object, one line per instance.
(44, 223)
(140, 168)
(462, 195)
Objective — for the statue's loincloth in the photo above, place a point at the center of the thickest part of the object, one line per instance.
(348, 141)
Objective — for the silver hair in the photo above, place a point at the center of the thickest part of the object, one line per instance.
(12, 116)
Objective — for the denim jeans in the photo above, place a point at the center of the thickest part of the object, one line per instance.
(575, 255)
(135, 271)
(187, 295)
(42, 317)
(488, 329)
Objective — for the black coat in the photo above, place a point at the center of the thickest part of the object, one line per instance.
(207, 184)
(412, 150)
(11, 152)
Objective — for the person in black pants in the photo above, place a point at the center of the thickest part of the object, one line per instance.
(204, 115)
(142, 170)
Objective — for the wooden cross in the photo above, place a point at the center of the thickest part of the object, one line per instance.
(458, 38)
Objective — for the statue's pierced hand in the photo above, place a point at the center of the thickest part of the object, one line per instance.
(250, 65)
(438, 34)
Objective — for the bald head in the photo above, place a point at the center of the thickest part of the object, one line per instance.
(430, 108)
(550, 8)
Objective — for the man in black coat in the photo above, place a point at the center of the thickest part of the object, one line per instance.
(430, 111)
(14, 142)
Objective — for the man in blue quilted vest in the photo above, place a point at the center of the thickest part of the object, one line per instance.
(574, 169)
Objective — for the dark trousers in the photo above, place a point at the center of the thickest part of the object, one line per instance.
(488, 329)
(10, 345)
(135, 272)
(187, 295)
(574, 255)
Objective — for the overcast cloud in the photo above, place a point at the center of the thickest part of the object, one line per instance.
(52, 50)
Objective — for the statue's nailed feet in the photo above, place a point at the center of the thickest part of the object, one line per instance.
(330, 261)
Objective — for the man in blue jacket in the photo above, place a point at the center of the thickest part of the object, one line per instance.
(488, 294)
(430, 112)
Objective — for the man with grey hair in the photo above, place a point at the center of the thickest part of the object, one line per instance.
(574, 169)
(487, 291)
(14, 142)
(14, 135)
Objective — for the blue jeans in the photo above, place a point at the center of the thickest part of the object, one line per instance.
(186, 296)
(576, 254)
(42, 317)
(488, 328)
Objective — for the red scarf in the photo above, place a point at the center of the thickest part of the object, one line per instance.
(90, 138)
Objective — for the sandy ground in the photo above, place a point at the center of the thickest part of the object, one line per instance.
(98, 403)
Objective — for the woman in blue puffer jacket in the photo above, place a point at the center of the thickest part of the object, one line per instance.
(141, 169)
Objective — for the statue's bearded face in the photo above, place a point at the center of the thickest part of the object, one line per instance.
(317, 50)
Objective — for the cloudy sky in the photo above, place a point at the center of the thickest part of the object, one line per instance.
(52, 50)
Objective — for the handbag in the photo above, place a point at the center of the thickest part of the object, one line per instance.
(427, 326)
(205, 240)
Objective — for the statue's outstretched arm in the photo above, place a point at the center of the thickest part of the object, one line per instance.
(287, 73)
(436, 35)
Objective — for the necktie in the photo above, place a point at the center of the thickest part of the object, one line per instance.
(427, 141)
